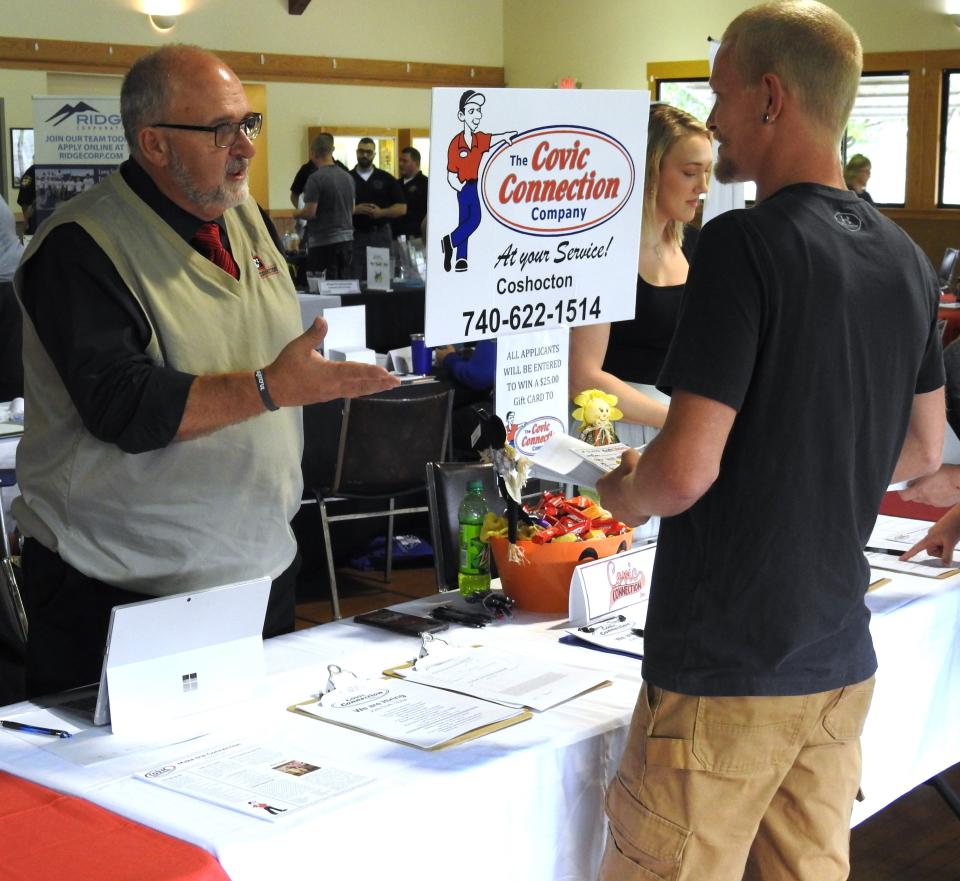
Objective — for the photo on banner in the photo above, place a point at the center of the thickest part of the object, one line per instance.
(537, 223)
(78, 142)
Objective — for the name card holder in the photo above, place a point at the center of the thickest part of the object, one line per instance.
(610, 583)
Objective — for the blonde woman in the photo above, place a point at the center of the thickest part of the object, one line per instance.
(624, 358)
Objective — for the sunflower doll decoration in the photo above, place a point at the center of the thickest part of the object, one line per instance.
(597, 411)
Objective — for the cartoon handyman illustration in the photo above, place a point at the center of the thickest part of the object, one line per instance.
(463, 168)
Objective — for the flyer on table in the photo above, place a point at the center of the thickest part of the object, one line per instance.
(534, 216)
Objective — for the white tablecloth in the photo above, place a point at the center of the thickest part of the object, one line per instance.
(522, 803)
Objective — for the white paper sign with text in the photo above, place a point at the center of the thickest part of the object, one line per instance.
(611, 583)
(531, 390)
(534, 216)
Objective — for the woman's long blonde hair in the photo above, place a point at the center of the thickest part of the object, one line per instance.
(666, 126)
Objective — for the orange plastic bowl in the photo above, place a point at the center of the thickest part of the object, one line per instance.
(542, 583)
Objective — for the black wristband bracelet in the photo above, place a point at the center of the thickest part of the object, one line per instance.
(264, 391)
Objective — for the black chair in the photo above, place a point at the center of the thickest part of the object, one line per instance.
(384, 446)
(446, 487)
(949, 270)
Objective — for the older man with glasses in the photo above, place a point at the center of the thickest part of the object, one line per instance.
(165, 369)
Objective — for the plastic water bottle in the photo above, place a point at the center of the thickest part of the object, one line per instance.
(474, 569)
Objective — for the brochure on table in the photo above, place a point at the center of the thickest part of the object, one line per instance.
(409, 713)
(268, 783)
(898, 534)
(535, 219)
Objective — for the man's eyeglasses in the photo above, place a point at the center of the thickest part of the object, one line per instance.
(225, 134)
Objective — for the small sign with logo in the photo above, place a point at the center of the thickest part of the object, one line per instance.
(531, 388)
(535, 223)
(610, 584)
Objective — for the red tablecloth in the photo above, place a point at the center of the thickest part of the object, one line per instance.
(893, 505)
(45, 835)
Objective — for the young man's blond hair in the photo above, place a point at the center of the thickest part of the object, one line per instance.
(810, 47)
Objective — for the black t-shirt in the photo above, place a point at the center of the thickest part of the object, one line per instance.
(381, 189)
(636, 348)
(415, 193)
(814, 317)
(27, 197)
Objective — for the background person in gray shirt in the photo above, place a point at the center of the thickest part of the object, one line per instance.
(328, 199)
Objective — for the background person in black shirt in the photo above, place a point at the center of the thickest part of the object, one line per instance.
(379, 200)
(414, 183)
(792, 411)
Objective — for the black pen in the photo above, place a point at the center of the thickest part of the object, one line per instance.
(589, 628)
(35, 729)
(892, 551)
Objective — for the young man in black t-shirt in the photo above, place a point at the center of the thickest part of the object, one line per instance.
(806, 376)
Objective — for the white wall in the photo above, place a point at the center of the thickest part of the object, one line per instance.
(433, 31)
(608, 43)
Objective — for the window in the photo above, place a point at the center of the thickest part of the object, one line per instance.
(950, 141)
(878, 130)
(696, 97)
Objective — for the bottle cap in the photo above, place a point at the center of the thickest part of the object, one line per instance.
(475, 486)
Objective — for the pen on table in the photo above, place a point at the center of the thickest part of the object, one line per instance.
(892, 551)
(589, 628)
(34, 729)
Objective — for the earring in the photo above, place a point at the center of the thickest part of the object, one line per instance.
(764, 118)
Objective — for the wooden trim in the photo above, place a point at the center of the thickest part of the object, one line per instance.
(116, 58)
(675, 70)
(925, 214)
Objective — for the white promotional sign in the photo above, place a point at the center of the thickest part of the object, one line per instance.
(78, 142)
(537, 222)
(611, 583)
(531, 389)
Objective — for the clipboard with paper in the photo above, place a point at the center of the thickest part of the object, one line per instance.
(494, 675)
(406, 712)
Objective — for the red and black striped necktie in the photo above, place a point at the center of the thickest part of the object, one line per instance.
(207, 241)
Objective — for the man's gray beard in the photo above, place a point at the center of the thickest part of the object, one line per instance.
(223, 197)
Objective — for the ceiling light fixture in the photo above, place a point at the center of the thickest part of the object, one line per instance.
(163, 22)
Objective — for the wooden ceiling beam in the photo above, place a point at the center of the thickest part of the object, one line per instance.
(116, 58)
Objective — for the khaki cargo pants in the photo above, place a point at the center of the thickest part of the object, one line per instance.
(731, 788)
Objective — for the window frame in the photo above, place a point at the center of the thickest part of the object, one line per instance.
(945, 75)
(924, 119)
